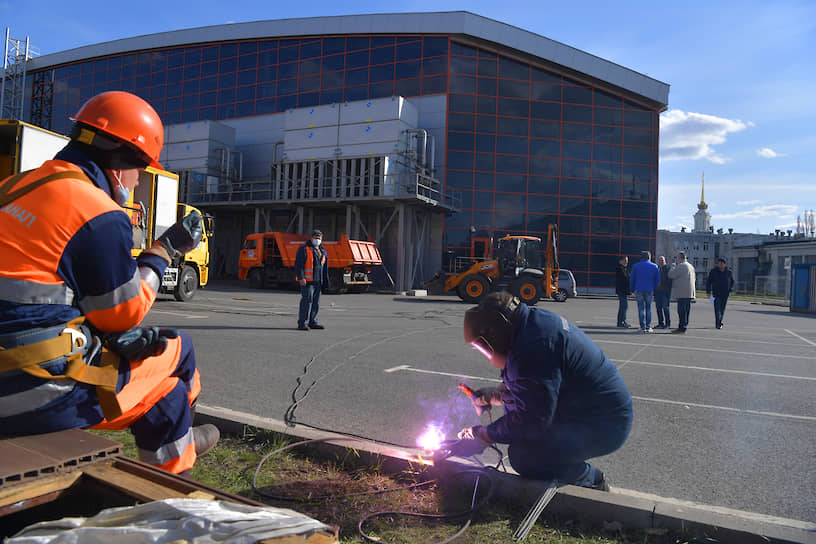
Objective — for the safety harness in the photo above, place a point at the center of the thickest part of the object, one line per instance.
(71, 343)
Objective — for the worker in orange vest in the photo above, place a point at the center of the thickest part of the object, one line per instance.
(312, 273)
(72, 296)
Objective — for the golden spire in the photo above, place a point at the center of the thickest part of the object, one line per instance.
(702, 205)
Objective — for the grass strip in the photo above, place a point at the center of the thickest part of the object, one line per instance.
(304, 473)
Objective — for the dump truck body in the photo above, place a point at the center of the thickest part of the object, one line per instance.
(268, 259)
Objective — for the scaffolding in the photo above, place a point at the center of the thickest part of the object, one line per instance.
(16, 53)
(383, 198)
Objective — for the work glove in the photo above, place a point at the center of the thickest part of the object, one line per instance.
(470, 442)
(184, 235)
(486, 397)
(139, 343)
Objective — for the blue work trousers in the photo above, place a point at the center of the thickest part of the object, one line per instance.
(623, 306)
(563, 449)
(309, 303)
(644, 304)
(683, 311)
(719, 309)
(661, 299)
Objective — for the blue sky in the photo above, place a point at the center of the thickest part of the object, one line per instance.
(742, 76)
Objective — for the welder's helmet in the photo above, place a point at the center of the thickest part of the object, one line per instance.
(119, 130)
(489, 326)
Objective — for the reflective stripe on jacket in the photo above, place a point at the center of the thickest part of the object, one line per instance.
(73, 250)
(70, 256)
(308, 266)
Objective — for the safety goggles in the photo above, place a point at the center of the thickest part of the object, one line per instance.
(481, 345)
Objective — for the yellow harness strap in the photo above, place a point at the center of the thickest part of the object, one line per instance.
(28, 358)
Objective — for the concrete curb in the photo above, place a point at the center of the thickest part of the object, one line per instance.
(620, 508)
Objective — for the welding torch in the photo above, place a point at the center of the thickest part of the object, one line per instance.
(465, 388)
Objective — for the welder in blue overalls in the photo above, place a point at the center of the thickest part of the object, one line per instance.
(564, 400)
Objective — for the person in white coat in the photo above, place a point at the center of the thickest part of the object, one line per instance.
(683, 290)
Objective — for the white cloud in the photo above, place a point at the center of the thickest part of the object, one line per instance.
(748, 202)
(674, 228)
(768, 153)
(781, 211)
(689, 135)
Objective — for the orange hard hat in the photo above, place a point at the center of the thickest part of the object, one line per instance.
(127, 118)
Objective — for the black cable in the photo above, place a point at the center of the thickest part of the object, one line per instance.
(474, 507)
(304, 442)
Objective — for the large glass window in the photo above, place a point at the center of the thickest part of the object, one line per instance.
(528, 146)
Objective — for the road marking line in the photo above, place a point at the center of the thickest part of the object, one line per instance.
(799, 337)
(188, 316)
(728, 370)
(638, 352)
(755, 354)
(409, 368)
(395, 368)
(727, 409)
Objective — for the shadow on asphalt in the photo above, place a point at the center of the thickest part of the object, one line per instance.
(223, 327)
(781, 313)
(424, 300)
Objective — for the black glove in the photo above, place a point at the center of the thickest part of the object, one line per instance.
(467, 447)
(140, 343)
(184, 235)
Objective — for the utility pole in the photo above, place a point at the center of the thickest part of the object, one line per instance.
(16, 53)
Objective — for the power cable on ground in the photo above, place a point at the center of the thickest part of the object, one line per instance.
(474, 506)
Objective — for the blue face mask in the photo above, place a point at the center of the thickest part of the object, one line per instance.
(120, 194)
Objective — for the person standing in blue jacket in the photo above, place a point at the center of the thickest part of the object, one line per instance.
(564, 400)
(643, 281)
(312, 273)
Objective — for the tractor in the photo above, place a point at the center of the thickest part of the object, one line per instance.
(515, 265)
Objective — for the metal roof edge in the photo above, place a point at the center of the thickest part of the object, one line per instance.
(449, 22)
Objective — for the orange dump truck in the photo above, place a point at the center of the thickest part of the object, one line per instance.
(268, 259)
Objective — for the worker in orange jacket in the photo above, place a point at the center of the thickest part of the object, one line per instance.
(312, 274)
(72, 296)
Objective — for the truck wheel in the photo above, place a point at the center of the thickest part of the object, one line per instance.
(187, 284)
(256, 278)
(560, 295)
(473, 288)
(527, 289)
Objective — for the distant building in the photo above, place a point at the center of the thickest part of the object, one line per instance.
(702, 219)
(760, 263)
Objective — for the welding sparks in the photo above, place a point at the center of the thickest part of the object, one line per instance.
(431, 439)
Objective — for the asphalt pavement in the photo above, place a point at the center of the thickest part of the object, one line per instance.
(722, 417)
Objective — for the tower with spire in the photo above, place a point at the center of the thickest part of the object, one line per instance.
(702, 219)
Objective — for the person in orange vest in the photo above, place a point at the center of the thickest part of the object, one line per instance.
(72, 296)
(312, 273)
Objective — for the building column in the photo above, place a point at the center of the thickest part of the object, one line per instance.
(401, 243)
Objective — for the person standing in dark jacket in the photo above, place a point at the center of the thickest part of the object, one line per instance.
(662, 295)
(622, 289)
(720, 283)
(312, 273)
(564, 400)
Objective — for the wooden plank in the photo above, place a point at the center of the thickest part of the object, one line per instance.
(129, 484)
(317, 538)
(36, 488)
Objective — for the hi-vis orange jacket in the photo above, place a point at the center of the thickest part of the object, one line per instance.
(65, 251)
(305, 264)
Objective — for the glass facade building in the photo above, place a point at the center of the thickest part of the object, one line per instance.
(528, 143)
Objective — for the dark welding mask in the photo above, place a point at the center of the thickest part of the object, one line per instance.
(489, 326)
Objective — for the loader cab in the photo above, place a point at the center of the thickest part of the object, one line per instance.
(515, 253)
